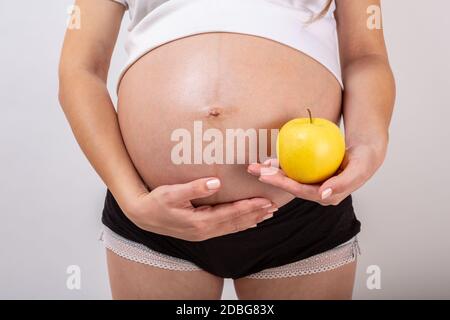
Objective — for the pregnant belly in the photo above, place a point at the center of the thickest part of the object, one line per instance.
(192, 108)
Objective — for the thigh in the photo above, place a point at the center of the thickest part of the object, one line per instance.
(335, 284)
(132, 280)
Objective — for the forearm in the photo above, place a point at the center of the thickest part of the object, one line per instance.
(369, 98)
(90, 112)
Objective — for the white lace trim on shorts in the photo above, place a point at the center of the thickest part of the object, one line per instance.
(325, 261)
(139, 253)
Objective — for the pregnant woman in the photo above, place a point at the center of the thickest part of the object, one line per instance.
(175, 229)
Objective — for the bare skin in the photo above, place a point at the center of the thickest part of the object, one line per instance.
(130, 280)
(111, 142)
(263, 92)
(335, 284)
(135, 281)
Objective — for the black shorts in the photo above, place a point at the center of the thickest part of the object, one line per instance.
(298, 230)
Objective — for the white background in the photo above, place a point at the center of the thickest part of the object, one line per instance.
(51, 199)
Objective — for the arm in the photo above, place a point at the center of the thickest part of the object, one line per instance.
(369, 94)
(367, 108)
(84, 97)
(85, 100)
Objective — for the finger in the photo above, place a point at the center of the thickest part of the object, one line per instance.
(229, 211)
(196, 189)
(255, 169)
(346, 182)
(269, 167)
(280, 180)
(247, 221)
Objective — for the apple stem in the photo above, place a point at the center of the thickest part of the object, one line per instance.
(310, 115)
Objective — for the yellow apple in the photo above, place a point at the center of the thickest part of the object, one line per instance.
(310, 150)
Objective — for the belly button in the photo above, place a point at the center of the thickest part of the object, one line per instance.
(214, 112)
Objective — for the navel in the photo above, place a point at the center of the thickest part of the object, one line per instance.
(214, 112)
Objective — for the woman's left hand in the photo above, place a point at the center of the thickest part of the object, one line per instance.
(359, 164)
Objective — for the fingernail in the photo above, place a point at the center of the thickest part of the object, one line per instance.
(272, 210)
(254, 226)
(266, 206)
(267, 162)
(213, 184)
(326, 193)
(267, 217)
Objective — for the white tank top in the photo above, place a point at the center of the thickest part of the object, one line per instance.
(156, 22)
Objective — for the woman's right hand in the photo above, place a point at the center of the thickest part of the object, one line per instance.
(168, 210)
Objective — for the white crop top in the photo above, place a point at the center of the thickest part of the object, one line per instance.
(156, 22)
